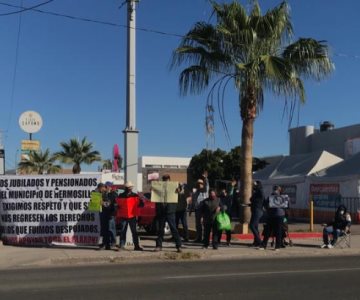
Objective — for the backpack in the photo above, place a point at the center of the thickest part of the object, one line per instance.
(223, 221)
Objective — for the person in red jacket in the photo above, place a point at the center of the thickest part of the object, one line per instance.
(127, 211)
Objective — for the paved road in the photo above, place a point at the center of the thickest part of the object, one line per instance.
(285, 278)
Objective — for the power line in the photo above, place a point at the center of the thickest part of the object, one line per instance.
(33, 8)
(26, 8)
(93, 21)
(15, 72)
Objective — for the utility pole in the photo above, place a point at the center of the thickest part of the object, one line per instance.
(131, 134)
(2, 155)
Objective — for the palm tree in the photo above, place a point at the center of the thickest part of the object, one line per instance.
(77, 152)
(40, 163)
(107, 164)
(257, 53)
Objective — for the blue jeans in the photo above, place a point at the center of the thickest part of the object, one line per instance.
(181, 217)
(198, 225)
(112, 229)
(254, 225)
(329, 230)
(162, 219)
(132, 223)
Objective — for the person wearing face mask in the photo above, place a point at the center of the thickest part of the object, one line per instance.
(341, 221)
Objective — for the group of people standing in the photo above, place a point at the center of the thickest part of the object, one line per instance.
(207, 206)
(274, 219)
(125, 206)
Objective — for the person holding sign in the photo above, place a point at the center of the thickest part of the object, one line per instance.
(165, 196)
(202, 192)
(127, 211)
(275, 205)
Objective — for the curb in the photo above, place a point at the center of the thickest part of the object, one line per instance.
(291, 235)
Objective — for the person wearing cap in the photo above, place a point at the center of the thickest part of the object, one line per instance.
(202, 192)
(107, 211)
(127, 211)
(111, 196)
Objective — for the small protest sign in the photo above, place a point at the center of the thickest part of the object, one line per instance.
(164, 191)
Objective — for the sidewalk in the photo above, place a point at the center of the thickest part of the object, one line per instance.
(12, 257)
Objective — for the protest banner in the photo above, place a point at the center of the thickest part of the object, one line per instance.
(279, 201)
(164, 191)
(48, 209)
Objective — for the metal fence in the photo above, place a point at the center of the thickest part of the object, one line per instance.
(352, 204)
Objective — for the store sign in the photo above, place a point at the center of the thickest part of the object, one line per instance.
(30, 145)
(326, 195)
(30, 121)
(325, 188)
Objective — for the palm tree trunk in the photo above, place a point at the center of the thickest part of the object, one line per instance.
(248, 115)
(246, 167)
(76, 168)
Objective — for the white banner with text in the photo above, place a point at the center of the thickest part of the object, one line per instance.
(48, 209)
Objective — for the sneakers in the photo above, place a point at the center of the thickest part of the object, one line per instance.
(178, 250)
(323, 246)
(205, 247)
(261, 248)
(277, 249)
(330, 246)
(138, 248)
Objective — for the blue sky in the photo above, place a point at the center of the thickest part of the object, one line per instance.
(74, 73)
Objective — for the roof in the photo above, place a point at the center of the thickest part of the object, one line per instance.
(298, 165)
(350, 166)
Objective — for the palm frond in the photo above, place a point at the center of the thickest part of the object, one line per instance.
(310, 58)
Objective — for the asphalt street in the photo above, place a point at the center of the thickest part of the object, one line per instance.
(278, 278)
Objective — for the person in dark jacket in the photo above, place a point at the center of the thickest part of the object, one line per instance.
(107, 212)
(202, 192)
(111, 195)
(165, 212)
(341, 222)
(225, 206)
(183, 194)
(209, 208)
(275, 218)
(256, 206)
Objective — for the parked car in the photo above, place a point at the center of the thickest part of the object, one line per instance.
(147, 212)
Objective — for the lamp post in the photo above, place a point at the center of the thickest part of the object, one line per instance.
(16, 155)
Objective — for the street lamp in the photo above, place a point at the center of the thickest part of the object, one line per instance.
(16, 155)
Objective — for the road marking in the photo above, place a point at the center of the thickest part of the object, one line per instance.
(262, 273)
